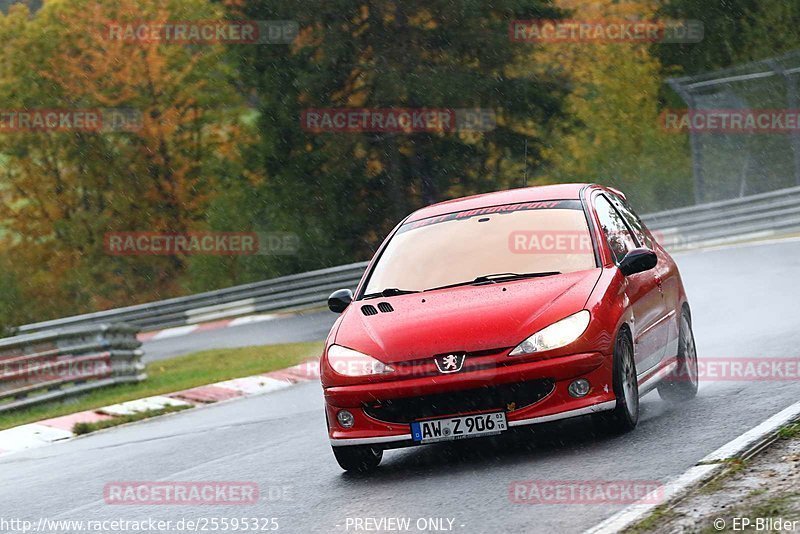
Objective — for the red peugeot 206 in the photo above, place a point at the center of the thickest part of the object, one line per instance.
(495, 311)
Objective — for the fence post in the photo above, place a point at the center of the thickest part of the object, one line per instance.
(694, 143)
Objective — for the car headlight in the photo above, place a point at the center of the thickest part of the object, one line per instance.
(349, 362)
(556, 335)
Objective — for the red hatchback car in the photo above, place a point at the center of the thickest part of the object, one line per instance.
(495, 311)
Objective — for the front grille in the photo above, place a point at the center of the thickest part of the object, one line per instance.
(506, 397)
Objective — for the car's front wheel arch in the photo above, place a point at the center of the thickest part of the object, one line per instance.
(625, 414)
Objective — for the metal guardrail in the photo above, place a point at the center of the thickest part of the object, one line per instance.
(283, 293)
(694, 226)
(63, 362)
(765, 214)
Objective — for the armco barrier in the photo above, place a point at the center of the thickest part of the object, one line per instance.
(283, 293)
(717, 222)
(66, 361)
(765, 214)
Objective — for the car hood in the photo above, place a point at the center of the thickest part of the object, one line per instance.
(467, 318)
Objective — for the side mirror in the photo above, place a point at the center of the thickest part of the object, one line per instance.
(340, 300)
(638, 260)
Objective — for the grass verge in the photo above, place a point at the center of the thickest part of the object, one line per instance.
(762, 487)
(168, 376)
(790, 431)
(649, 523)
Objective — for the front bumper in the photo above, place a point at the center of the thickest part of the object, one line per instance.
(557, 404)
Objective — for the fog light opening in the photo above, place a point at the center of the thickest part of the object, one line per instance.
(345, 418)
(578, 388)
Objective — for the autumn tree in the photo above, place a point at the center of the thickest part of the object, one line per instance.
(611, 131)
(736, 31)
(343, 191)
(61, 191)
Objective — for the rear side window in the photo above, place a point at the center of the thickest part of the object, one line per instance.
(619, 238)
(633, 220)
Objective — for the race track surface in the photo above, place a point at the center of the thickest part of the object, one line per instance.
(306, 326)
(744, 304)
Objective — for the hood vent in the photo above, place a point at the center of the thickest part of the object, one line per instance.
(385, 307)
(369, 309)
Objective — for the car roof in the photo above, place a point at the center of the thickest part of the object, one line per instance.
(498, 198)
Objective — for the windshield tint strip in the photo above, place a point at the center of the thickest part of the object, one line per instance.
(492, 210)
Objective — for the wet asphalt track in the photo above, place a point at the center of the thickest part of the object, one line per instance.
(744, 302)
(306, 326)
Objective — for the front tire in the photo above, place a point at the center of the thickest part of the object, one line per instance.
(359, 458)
(682, 385)
(625, 415)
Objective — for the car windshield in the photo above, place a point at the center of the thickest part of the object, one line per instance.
(539, 237)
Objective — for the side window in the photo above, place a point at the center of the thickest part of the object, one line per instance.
(633, 220)
(617, 234)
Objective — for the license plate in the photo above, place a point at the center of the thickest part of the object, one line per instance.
(451, 428)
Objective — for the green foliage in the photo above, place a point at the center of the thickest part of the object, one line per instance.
(736, 31)
(223, 149)
(611, 133)
(11, 313)
(61, 192)
(344, 191)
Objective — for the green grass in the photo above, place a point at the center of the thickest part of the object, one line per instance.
(780, 505)
(659, 515)
(88, 428)
(789, 431)
(735, 465)
(175, 374)
(785, 504)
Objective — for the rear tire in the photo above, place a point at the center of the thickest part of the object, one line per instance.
(681, 385)
(359, 458)
(625, 415)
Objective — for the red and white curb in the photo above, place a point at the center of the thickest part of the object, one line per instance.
(201, 327)
(696, 475)
(42, 433)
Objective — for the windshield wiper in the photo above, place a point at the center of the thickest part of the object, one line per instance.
(496, 277)
(389, 292)
(499, 277)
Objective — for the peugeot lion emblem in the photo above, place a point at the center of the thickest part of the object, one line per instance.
(450, 363)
